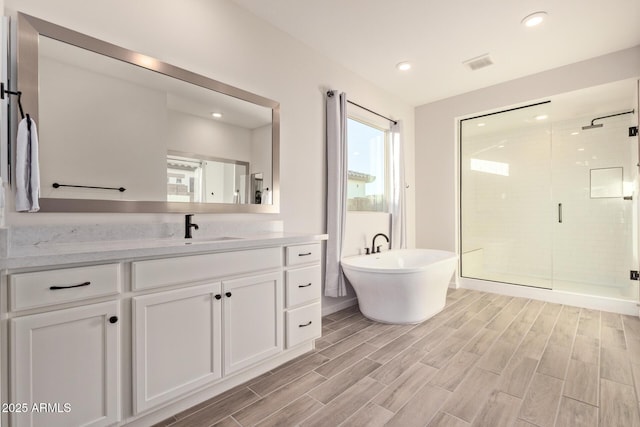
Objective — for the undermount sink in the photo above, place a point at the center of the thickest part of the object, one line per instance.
(210, 239)
(192, 241)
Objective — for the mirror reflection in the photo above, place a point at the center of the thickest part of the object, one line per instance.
(171, 139)
(206, 180)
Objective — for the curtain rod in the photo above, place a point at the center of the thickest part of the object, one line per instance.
(395, 122)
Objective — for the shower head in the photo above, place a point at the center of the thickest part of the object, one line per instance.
(599, 125)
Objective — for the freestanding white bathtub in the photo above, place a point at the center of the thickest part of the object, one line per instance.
(401, 286)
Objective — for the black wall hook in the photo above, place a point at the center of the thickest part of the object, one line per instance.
(19, 95)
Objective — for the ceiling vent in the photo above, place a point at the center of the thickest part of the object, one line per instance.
(478, 62)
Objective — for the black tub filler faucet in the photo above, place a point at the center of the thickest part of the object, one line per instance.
(376, 249)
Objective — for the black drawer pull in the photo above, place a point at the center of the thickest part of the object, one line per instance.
(304, 286)
(218, 296)
(307, 254)
(113, 319)
(228, 294)
(55, 288)
(305, 325)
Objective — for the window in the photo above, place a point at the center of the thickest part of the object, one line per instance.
(367, 181)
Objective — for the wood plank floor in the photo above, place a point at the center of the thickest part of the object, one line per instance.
(485, 360)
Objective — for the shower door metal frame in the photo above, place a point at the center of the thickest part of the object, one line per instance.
(460, 159)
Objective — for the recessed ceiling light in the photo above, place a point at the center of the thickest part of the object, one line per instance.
(481, 124)
(575, 133)
(542, 117)
(216, 115)
(534, 19)
(403, 66)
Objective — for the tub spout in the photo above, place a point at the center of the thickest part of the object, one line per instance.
(375, 249)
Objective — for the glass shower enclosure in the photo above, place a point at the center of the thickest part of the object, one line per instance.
(549, 193)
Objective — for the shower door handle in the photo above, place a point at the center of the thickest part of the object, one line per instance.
(560, 213)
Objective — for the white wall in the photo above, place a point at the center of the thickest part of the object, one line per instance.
(218, 39)
(436, 133)
(361, 227)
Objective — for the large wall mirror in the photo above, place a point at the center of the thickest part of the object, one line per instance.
(122, 132)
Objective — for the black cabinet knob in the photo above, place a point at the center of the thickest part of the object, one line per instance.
(218, 296)
(113, 319)
(228, 294)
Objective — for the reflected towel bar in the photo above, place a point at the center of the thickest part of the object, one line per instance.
(120, 189)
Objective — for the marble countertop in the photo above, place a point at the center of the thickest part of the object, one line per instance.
(54, 254)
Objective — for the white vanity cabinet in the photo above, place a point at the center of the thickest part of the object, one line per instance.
(303, 292)
(177, 343)
(192, 336)
(51, 287)
(141, 338)
(252, 320)
(180, 335)
(66, 363)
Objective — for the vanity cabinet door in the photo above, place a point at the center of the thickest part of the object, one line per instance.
(252, 320)
(177, 343)
(66, 367)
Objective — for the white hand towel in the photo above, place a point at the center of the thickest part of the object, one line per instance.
(27, 168)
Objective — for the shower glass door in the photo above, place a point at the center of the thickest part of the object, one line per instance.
(505, 165)
(549, 193)
(595, 190)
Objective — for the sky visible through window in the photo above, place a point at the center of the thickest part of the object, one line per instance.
(366, 154)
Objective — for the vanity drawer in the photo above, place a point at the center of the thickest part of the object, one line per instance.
(303, 324)
(193, 268)
(303, 285)
(303, 254)
(42, 288)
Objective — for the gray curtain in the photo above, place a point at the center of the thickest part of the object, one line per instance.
(397, 205)
(336, 191)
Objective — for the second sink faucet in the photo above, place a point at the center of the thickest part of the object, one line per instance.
(188, 225)
(375, 249)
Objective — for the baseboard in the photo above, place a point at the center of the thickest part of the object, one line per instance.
(326, 310)
(554, 296)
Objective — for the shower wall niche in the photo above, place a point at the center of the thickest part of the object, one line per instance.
(548, 204)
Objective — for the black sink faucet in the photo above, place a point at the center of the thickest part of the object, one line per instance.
(375, 249)
(188, 225)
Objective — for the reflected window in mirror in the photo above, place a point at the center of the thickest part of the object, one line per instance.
(207, 179)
